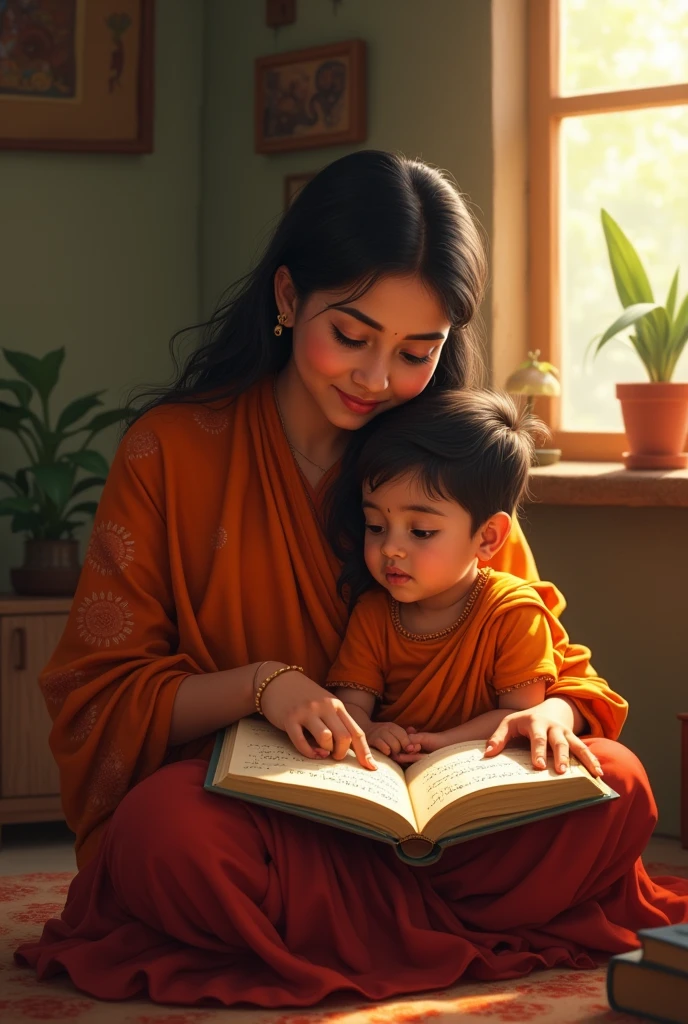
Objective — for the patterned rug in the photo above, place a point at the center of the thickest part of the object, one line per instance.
(26, 901)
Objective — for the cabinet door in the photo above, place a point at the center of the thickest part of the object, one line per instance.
(26, 644)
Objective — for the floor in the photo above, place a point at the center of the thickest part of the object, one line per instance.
(41, 859)
(26, 849)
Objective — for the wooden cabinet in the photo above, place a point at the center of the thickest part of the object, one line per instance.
(30, 628)
(684, 779)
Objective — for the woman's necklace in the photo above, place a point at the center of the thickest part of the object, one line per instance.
(294, 451)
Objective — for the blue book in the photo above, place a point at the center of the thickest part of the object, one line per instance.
(666, 947)
(448, 797)
(636, 986)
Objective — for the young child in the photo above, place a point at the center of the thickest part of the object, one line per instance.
(438, 649)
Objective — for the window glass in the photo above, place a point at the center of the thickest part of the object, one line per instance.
(622, 44)
(634, 164)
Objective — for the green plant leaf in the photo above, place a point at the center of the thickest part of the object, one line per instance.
(27, 522)
(8, 506)
(27, 366)
(105, 419)
(11, 416)
(22, 478)
(90, 507)
(90, 460)
(680, 324)
(629, 316)
(678, 338)
(659, 328)
(670, 303)
(56, 481)
(42, 373)
(76, 409)
(648, 345)
(24, 392)
(639, 342)
(88, 481)
(5, 478)
(50, 371)
(631, 281)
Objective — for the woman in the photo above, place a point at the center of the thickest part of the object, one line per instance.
(208, 572)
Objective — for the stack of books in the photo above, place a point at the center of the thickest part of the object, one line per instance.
(653, 981)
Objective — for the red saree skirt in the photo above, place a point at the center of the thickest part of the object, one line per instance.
(198, 899)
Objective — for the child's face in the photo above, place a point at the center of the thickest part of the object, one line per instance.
(419, 547)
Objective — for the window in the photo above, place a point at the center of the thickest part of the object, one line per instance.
(608, 100)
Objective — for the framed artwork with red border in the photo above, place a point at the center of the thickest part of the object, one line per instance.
(311, 98)
(77, 75)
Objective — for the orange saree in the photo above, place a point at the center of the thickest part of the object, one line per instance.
(206, 554)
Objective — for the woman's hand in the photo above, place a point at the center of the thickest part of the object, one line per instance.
(547, 724)
(391, 739)
(293, 702)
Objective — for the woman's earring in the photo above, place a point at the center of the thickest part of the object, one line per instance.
(279, 326)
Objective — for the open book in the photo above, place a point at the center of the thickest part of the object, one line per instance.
(447, 797)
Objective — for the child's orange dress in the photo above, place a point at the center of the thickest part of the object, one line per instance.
(507, 636)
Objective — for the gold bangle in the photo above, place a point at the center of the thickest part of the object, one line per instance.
(266, 682)
(254, 684)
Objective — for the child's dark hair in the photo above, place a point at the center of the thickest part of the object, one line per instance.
(466, 445)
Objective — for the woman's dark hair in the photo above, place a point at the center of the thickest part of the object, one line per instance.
(366, 216)
(469, 445)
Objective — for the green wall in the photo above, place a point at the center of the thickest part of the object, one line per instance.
(100, 252)
(428, 92)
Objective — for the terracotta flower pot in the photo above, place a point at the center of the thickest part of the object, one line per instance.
(656, 422)
(51, 568)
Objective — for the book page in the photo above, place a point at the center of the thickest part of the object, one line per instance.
(263, 752)
(443, 777)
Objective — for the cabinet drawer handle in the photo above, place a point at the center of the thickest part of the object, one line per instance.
(20, 664)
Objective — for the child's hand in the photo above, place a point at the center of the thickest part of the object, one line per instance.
(544, 728)
(429, 741)
(391, 739)
(426, 743)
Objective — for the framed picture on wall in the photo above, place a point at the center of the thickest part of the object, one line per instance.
(293, 183)
(311, 98)
(77, 75)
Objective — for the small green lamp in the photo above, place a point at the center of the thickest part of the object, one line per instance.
(534, 378)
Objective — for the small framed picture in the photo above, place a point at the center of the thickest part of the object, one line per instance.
(311, 98)
(293, 183)
(77, 75)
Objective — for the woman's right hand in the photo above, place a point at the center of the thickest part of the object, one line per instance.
(292, 702)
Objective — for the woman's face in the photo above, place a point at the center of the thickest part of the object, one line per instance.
(358, 358)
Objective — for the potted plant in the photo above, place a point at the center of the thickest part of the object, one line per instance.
(531, 379)
(655, 413)
(43, 500)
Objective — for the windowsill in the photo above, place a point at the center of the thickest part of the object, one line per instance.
(608, 483)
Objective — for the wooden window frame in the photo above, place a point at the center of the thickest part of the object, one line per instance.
(547, 109)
